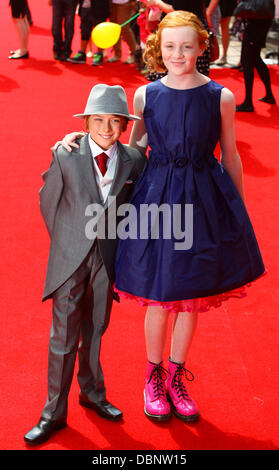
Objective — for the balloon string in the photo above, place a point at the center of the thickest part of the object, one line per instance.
(128, 21)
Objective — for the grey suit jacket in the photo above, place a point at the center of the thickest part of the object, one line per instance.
(69, 188)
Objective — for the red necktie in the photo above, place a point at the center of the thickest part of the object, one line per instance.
(102, 162)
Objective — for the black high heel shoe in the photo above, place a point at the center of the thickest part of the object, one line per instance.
(269, 100)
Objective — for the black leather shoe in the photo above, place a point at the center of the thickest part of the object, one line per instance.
(43, 431)
(104, 409)
(58, 56)
(245, 108)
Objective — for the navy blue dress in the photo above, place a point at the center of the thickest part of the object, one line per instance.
(183, 129)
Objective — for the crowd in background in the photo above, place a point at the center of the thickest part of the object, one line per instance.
(216, 15)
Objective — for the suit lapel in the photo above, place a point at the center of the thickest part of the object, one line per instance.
(122, 170)
(87, 169)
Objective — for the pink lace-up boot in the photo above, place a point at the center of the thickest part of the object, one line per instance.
(184, 407)
(156, 406)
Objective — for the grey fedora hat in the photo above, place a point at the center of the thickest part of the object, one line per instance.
(106, 99)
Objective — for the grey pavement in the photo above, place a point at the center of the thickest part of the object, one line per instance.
(271, 49)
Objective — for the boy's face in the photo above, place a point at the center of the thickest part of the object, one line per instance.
(105, 129)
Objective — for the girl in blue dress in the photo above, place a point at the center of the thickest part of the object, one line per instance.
(211, 252)
(184, 115)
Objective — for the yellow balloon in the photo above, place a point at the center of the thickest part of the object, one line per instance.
(106, 34)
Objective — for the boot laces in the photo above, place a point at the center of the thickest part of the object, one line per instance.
(159, 375)
(178, 384)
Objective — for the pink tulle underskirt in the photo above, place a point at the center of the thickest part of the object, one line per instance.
(201, 304)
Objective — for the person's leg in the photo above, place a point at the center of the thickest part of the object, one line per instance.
(19, 16)
(85, 31)
(94, 322)
(22, 28)
(155, 398)
(56, 29)
(225, 38)
(184, 327)
(63, 344)
(127, 33)
(115, 18)
(248, 63)
(28, 14)
(64, 339)
(264, 75)
(69, 25)
(156, 326)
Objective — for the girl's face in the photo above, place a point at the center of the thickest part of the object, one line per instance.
(180, 49)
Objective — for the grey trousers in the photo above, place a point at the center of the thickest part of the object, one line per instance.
(81, 311)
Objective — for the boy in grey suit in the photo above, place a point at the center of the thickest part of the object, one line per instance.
(80, 272)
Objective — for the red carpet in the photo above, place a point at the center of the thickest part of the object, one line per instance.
(235, 352)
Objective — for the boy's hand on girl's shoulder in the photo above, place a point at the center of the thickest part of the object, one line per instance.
(69, 141)
(55, 147)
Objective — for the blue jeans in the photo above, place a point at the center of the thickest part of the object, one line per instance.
(63, 10)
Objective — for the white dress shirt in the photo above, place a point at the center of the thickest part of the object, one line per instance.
(103, 182)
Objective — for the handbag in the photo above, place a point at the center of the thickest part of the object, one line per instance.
(255, 9)
(213, 47)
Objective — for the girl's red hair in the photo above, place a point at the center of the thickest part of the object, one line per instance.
(153, 56)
